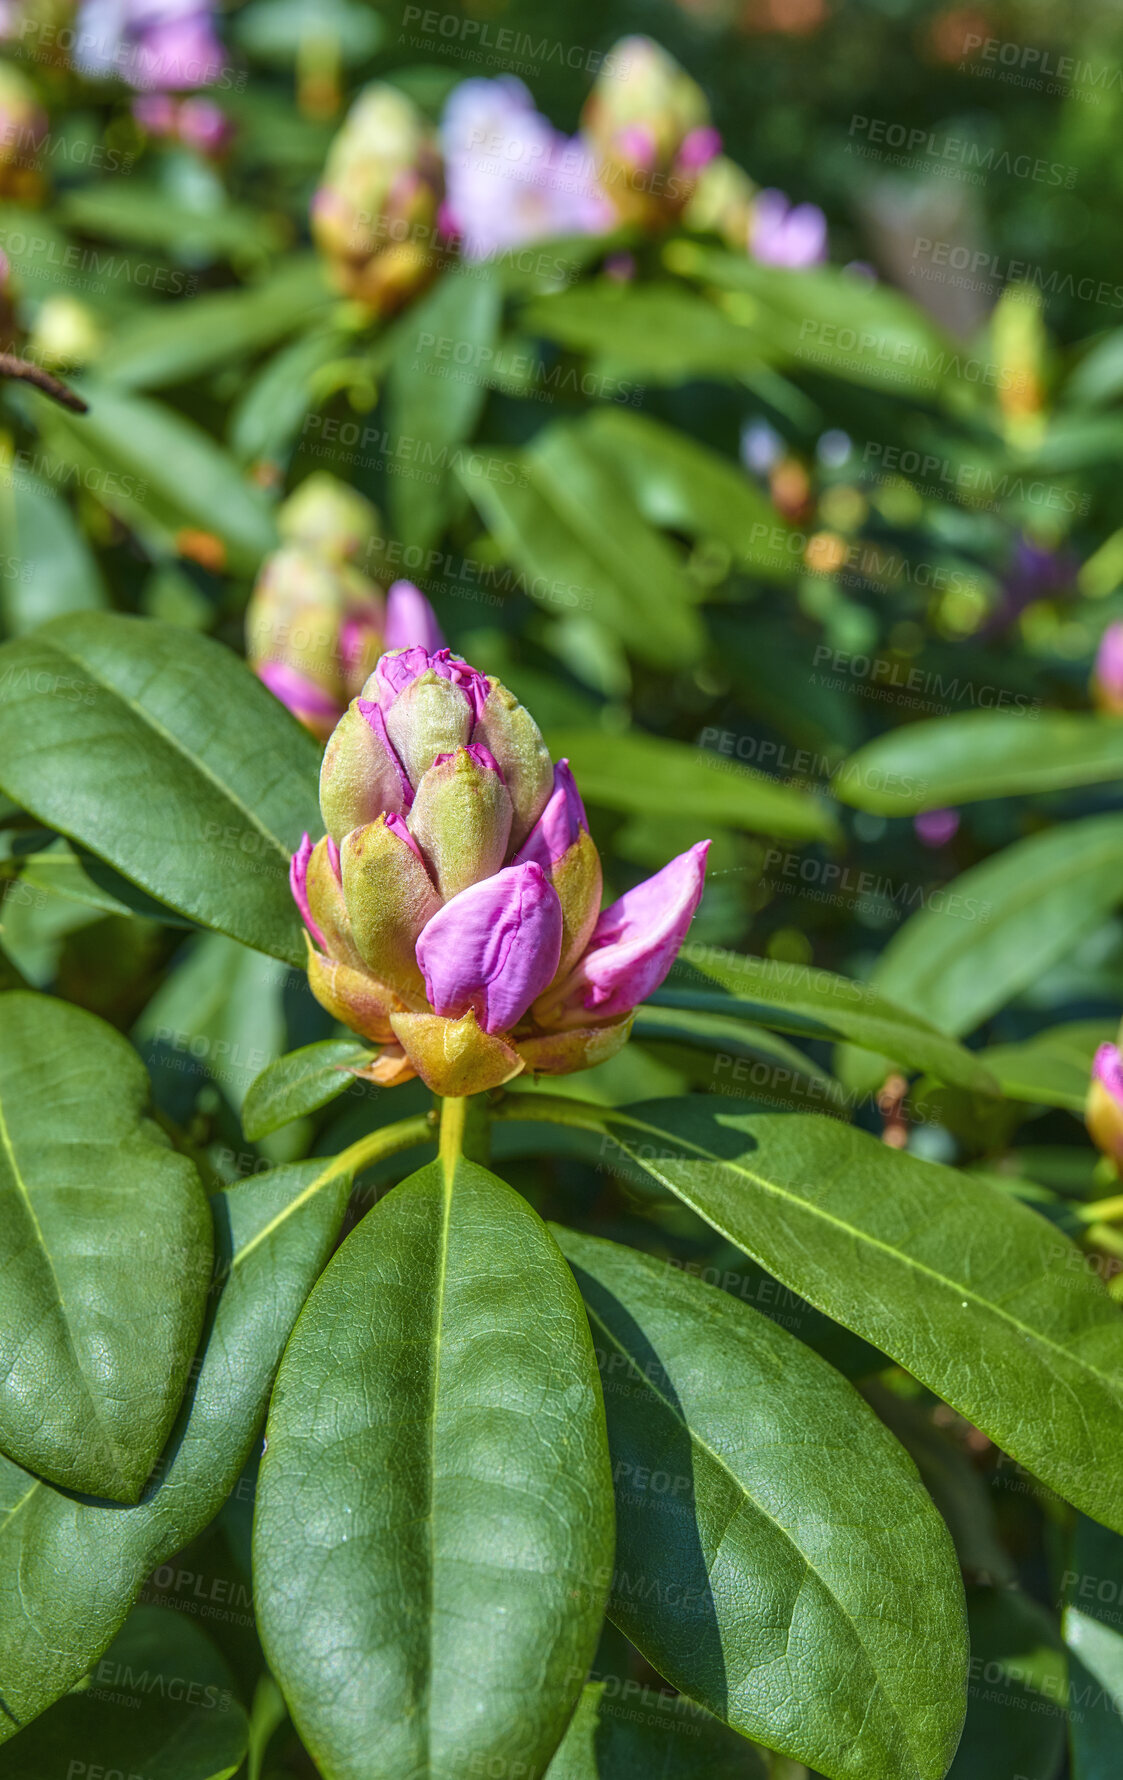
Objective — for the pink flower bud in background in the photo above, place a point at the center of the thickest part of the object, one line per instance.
(935, 828)
(783, 234)
(461, 928)
(1103, 1111)
(1107, 674)
(316, 626)
(648, 126)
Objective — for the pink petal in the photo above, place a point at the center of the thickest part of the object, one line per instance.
(1107, 1067)
(377, 722)
(559, 824)
(397, 825)
(699, 148)
(355, 634)
(298, 882)
(493, 948)
(304, 698)
(636, 940)
(1109, 660)
(410, 619)
(395, 672)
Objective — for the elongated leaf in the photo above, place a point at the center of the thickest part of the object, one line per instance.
(622, 1731)
(1004, 922)
(266, 421)
(660, 332)
(161, 1701)
(932, 1266)
(1092, 1623)
(647, 775)
(1053, 1069)
(683, 486)
(105, 1254)
(178, 341)
(300, 1082)
(570, 527)
(954, 760)
(78, 876)
(819, 1004)
(163, 754)
(433, 1537)
(70, 1570)
(45, 563)
(159, 473)
(1015, 1703)
(436, 393)
(764, 1518)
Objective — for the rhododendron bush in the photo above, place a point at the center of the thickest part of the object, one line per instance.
(561, 721)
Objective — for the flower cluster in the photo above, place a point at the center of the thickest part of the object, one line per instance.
(165, 45)
(315, 624)
(396, 199)
(453, 906)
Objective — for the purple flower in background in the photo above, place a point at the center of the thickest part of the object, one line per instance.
(196, 122)
(935, 828)
(1034, 572)
(154, 45)
(510, 177)
(1103, 1110)
(786, 234)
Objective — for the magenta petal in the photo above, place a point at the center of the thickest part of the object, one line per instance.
(699, 148)
(1109, 660)
(377, 721)
(397, 825)
(298, 881)
(559, 825)
(1107, 1067)
(304, 698)
(636, 940)
(355, 636)
(410, 619)
(493, 948)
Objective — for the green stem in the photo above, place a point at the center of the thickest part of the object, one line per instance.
(554, 1109)
(1101, 1211)
(465, 1131)
(386, 1142)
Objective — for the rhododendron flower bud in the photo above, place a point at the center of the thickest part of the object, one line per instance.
(1103, 1110)
(722, 202)
(452, 908)
(23, 129)
(649, 126)
(315, 626)
(374, 215)
(1107, 675)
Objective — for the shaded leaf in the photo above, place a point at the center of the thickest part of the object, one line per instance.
(958, 759)
(301, 1082)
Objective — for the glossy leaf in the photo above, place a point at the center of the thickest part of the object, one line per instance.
(647, 775)
(1004, 922)
(931, 1266)
(818, 1004)
(955, 760)
(161, 1701)
(72, 873)
(433, 1537)
(160, 474)
(764, 1518)
(70, 1570)
(131, 737)
(436, 392)
(1092, 1622)
(299, 1083)
(105, 1254)
(622, 1731)
(569, 527)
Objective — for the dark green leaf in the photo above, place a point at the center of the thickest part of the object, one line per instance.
(162, 753)
(45, 562)
(178, 341)
(931, 1266)
(268, 417)
(1054, 1068)
(79, 876)
(764, 1518)
(436, 392)
(160, 1702)
(1092, 1588)
(1015, 1712)
(299, 1083)
(160, 474)
(649, 775)
(433, 1536)
(105, 1254)
(953, 760)
(622, 1731)
(70, 1570)
(819, 1004)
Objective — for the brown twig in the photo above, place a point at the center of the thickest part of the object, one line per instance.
(11, 366)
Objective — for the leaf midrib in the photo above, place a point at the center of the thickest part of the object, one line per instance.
(743, 1489)
(147, 719)
(862, 1236)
